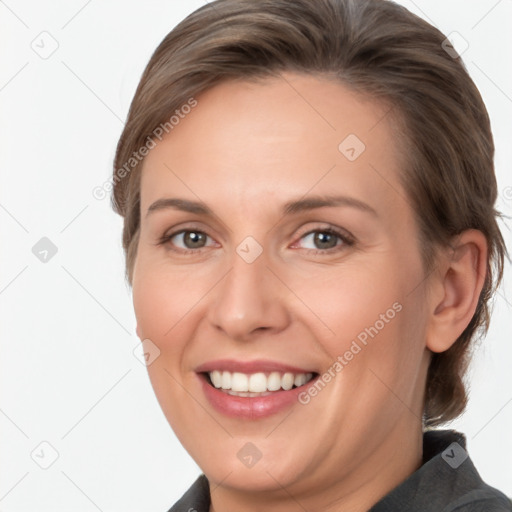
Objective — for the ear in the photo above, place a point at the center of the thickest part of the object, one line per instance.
(137, 330)
(456, 289)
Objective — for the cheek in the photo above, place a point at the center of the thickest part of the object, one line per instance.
(368, 314)
(161, 303)
(165, 310)
(351, 300)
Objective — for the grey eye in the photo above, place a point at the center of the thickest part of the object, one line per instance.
(190, 239)
(320, 240)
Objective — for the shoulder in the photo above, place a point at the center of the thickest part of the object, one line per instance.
(483, 499)
(196, 499)
(472, 494)
(447, 481)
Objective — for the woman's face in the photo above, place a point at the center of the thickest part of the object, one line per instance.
(277, 245)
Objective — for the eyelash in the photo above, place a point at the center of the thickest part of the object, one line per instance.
(346, 239)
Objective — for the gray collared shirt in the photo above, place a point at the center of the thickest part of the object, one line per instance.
(447, 481)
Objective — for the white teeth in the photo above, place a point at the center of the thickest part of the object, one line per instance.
(287, 382)
(239, 382)
(258, 382)
(216, 377)
(300, 379)
(226, 380)
(274, 381)
(255, 383)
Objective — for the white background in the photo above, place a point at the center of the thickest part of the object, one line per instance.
(68, 373)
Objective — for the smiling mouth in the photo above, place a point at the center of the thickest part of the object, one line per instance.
(256, 384)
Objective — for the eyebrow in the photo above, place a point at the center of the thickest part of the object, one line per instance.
(312, 202)
(289, 208)
(179, 204)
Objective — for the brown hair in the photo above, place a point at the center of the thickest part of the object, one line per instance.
(375, 47)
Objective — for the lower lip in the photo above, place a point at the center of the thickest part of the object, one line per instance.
(254, 407)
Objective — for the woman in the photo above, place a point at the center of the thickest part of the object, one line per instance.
(308, 199)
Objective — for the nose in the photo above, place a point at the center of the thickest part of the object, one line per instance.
(249, 300)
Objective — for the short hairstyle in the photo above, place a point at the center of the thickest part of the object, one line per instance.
(373, 47)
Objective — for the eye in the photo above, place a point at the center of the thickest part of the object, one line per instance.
(322, 240)
(188, 240)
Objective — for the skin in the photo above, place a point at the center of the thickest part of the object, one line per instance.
(245, 151)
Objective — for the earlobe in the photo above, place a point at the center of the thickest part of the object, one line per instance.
(462, 277)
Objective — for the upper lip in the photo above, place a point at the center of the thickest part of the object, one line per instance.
(249, 367)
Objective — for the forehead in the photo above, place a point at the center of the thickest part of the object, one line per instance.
(294, 131)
